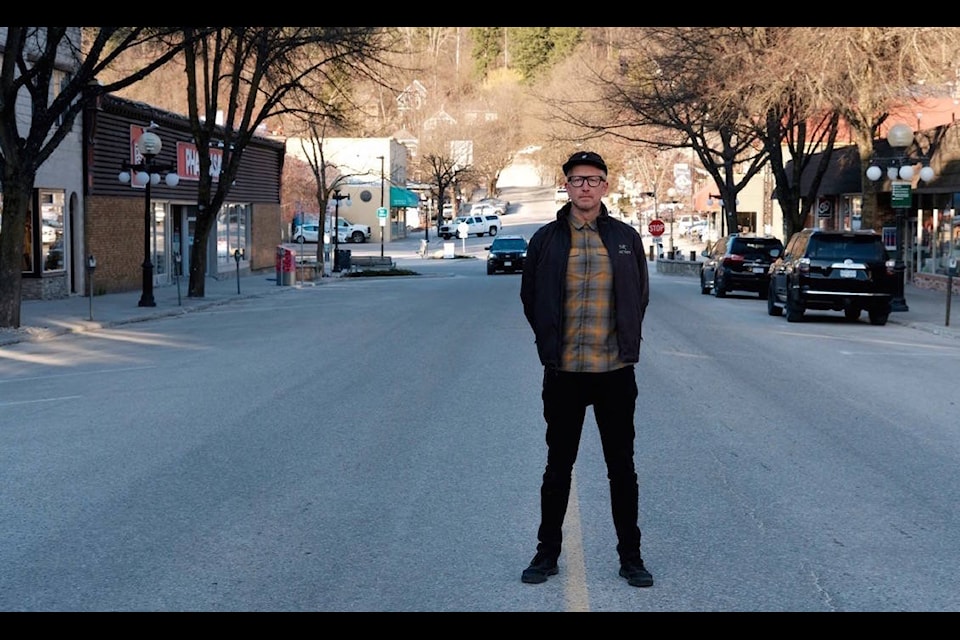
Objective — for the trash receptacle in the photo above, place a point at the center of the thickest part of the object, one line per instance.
(285, 266)
(343, 259)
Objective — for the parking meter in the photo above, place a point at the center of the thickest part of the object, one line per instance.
(91, 266)
(237, 254)
(177, 270)
(951, 272)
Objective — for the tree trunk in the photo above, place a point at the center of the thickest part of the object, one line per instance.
(16, 207)
(198, 255)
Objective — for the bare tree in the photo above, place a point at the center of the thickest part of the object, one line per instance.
(31, 58)
(495, 141)
(871, 72)
(443, 171)
(251, 74)
(667, 88)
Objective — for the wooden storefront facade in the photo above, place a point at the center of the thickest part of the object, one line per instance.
(114, 213)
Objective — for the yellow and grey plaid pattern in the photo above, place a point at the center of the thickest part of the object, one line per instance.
(589, 339)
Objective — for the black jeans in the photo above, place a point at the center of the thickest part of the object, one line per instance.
(566, 397)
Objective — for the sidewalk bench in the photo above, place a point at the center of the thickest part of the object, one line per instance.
(373, 263)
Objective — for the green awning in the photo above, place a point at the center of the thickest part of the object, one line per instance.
(400, 197)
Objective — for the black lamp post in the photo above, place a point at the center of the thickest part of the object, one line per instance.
(900, 137)
(672, 194)
(656, 216)
(382, 221)
(336, 231)
(147, 173)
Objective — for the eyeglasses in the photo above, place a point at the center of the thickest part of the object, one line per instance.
(593, 181)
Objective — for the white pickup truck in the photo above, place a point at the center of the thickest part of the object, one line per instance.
(349, 231)
(476, 226)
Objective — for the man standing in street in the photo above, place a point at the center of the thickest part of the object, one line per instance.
(585, 289)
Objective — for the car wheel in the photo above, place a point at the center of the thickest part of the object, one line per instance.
(358, 237)
(851, 313)
(794, 311)
(490, 271)
(704, 289)
(718, 290)
(878, 318)
(772, 308)
(493, 231)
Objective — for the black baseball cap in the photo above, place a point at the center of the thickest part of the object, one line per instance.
(584, 157)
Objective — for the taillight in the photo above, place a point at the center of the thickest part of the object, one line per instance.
(803, 265)
(731, 259)
(889, 264)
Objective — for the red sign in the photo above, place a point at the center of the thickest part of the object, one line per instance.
(188, 162)
(656, 228)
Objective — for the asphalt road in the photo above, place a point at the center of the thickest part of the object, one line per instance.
(377, 445)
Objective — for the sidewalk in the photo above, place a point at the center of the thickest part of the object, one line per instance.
(43, 319)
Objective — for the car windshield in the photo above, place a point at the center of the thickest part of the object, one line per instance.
(509, 244)
(858, 249)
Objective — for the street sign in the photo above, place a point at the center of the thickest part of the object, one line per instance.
(656, 228)
(382, 212)
(900, 197)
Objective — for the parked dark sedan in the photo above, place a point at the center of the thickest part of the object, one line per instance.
(738, 262)
(507, 253)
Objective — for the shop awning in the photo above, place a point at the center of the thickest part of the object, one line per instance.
(400, 197)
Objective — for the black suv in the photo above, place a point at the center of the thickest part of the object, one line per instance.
(845, 271)
(507, 253)
(738, 262)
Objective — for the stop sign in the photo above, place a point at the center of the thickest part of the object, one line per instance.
(656, 228)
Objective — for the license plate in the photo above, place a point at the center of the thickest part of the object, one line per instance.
(507, 263)
(759, 270)
(848, 273)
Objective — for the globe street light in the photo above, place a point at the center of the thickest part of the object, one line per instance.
(900, 166)
(147, 173)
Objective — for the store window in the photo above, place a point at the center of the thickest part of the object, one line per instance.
(43, 235)
(52, 228)
(232, 226)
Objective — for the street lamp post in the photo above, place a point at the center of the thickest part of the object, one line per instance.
(147, 173)
(656, 213)
(336, 230)
(900, 137)
(381, 221)
(672, 194)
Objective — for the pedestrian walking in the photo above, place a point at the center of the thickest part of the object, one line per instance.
(585, 289)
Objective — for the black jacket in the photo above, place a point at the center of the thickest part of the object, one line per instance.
(544, 275)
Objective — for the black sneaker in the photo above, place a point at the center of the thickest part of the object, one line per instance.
(636, 574)
(540, 567)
